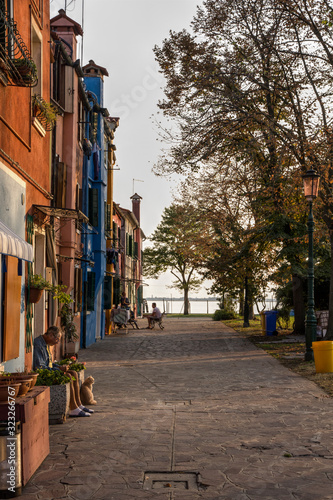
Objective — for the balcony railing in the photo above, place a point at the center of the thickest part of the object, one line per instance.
(45, 112)
(16, 62)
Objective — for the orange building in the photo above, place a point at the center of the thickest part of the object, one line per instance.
(26, 118)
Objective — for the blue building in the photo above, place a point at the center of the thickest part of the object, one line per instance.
(97, 148)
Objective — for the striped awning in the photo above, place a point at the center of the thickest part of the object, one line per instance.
(11, 244)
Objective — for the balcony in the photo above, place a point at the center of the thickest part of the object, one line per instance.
(16, 64)
(45, 112)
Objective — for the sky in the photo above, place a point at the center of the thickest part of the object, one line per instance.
(120, 35)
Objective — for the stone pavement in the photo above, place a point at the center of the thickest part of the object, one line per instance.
(193, 412)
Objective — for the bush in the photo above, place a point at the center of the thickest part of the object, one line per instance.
(221, 314)
(52, 377)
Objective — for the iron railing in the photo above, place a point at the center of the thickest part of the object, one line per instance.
(16, 62)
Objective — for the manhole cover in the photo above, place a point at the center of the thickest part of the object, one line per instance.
(178, 402)
(171, 480)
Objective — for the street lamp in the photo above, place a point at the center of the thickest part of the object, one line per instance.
(311, 187)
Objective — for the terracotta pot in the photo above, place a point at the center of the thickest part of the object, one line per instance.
(4, 390)
(35, 295)
(25, 386)
(21, 377)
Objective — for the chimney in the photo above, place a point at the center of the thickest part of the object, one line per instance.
(136, 200)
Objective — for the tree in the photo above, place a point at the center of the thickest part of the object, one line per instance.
(178, 245)
(251, 88)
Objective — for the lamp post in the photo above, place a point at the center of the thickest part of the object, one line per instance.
(311, 187)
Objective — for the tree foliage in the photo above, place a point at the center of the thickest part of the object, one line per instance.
(178, 246)
(250, 89)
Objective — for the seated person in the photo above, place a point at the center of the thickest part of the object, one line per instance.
(42, 358)
(156, 315)
(124, 302)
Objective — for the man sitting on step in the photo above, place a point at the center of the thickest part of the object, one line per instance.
(43, 359)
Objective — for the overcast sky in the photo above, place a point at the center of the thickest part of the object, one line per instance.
(120, 35)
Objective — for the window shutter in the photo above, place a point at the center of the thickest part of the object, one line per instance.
(136, 247)
(93, 206)
(127, 244)
(114, 233)
(12, 311)
(91, 279)
(61, 184)
(107, 292)
(105, 216)
(69, 89)
(77, 289)
(116, 291)
(130, 246)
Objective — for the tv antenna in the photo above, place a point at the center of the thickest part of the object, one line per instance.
(136, 180)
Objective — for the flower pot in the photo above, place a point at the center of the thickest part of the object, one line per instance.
(32, 378)
(72, 347)
(4, 390)
(24, 387)
(59, 403)
(35, 295)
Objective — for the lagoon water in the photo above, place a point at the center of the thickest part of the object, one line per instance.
(203, 307)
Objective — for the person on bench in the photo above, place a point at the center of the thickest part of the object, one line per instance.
(155, 316)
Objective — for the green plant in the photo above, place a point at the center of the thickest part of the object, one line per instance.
(221, 314)
(27, 70)
(67, 323)
(37, 281)
(45, 112)
(73, 365)
(52, 377)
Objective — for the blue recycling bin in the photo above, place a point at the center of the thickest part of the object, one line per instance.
(270, 322)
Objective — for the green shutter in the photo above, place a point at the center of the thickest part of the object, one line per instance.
(130, 246)
(116, 291)
(91, 278)
(107, 292)
(93, 206)
(136, 250)
(114, 233)
(127, 244)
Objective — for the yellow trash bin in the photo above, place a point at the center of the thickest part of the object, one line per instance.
(323, 356)
(263, 323)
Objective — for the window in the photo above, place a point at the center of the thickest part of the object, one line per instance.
(6, 7)
(107, 292)
(77, 289)
(93, 206)
(36, 53)
(60, 184)
(91, 278)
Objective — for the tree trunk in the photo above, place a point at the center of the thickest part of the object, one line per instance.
(241, 303)
(299, 306)
(185, 301)
(329, 334)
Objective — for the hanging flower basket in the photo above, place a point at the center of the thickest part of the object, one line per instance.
(35, 295)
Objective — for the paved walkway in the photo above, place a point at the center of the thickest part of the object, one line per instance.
(193, 412)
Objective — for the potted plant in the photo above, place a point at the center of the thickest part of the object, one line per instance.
(67, 322)
(37, 284)
(76, 366)
(59, 384)
(27, 70)
(45, 112)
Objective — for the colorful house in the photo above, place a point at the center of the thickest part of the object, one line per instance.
(25, 141)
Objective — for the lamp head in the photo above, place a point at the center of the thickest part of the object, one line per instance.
(311, 184)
